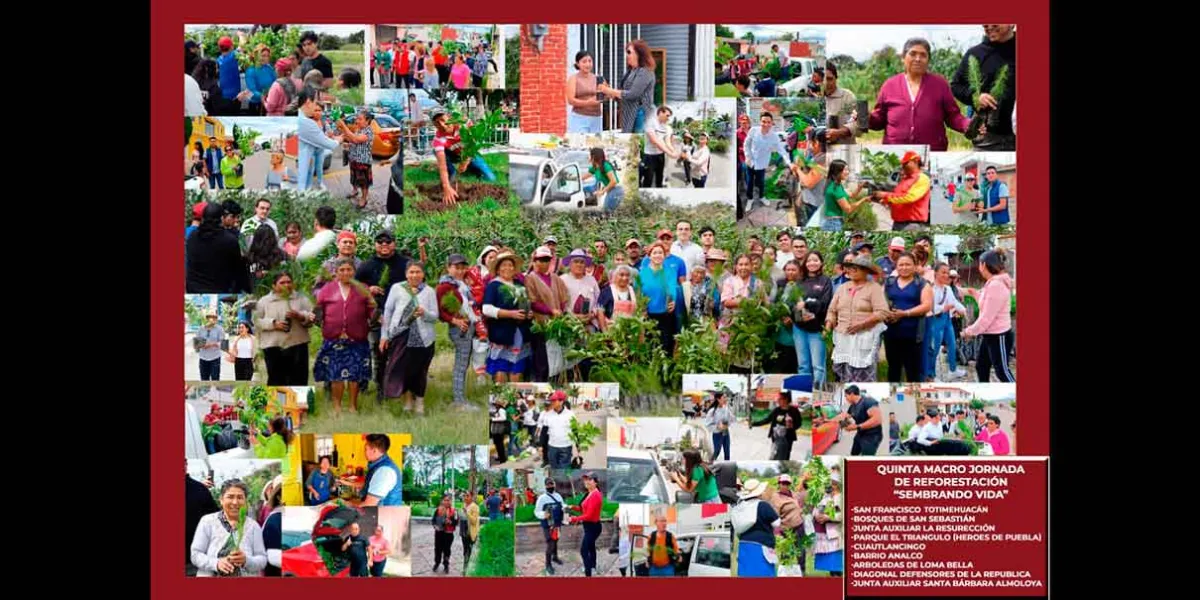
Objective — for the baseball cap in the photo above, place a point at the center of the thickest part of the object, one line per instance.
(225, 43)
(198, 209)
(456, 259)
(911, 155)
(954, 272)
(784, 478)
(543, 252)
(384, 237)
(970, 176)
(550, 240)
(632, 242)
(858, 234)
(863, 244)
(663, 232)
(588, 475)
(897, 243)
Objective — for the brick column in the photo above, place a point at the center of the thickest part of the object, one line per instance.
(543, 77)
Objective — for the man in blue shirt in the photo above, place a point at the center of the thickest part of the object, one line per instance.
(493, 506)
(212, 159)
(995, 197)
(228, 73)
(384, 484)
(313, 141)
(765, 88)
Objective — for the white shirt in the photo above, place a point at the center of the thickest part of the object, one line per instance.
(211, 537)
(193, 99)
(531, 418)
(760, 146)
(699, 160)
(245, 347)
(915, 432)
(314, 245)
(692, 254)
(559, 426)
(662, 131)
(944, 300)
(931, 432)
(539, 509)
(251, 225)
(382, 483)
(783, 258)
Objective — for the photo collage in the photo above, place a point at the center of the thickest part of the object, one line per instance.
(576, 300)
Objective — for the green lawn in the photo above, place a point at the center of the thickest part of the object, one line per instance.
(348, 56)
(726, 90)
(427, 171)
(495, 556)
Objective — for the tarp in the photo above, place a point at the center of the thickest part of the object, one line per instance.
(304, 561)
(800, 383)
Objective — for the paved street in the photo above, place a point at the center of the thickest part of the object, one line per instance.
(721, 172)
(191, 364)
(596, 457)
(752, 444)
(337, 177)
(422, 551)
(531, 552)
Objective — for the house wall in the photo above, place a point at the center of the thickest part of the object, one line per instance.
(675, 39)
(543, 78)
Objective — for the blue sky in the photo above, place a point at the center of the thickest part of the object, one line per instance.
(267, 127)
(860, 41)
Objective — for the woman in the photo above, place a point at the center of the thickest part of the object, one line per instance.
(699, 161)
(698, 294)
(293, 237)
(660, 285)
(259, 79)
(241, 352)
(419, 60)
(274, 446)
(478, 275)
(380, 549)
(838, 202)
(213, 257)
(460, 73)
(198, 168)
(739, 287)
(587, 111)
(283, 318)
(809, 317)
(321, 484)
(790, 293)
(498, 428)
(604, 180)
(447, 145)
(279, 173)
(345, 356)
(232, 169)
(719, 418)
(938, 327)
(429, 78)
(589, 517)
(995, 320)
(755, 530)
(458, 310)
(283, 91)
(618, 299)
(827, 518)
(408, 323)
(910, 298)
(856, 314)
(210, 87)
(506, 312)
(360, 139)
(916, 106)
(216, 551)
(264, 253)
(636, 89)
(548, 299)
(697, 479)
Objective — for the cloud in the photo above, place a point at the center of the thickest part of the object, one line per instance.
(861, 41)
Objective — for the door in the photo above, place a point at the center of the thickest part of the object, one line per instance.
(711, 556)
(564, 189)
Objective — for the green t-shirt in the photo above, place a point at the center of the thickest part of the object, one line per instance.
(707, 488)
(602, 178)
(228, 169)
(834, 192)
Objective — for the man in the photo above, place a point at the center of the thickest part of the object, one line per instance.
(966, 202)
(383, 485)
(320, 484)
(765, 88)
(445, 523)
(663, 549)
(371, 274)
(549, 512)
(493, 505)
(357, 547)
(800, 249)
(742, 84)
(888, 262)
(323, 235)
(197, 218)
(191, 53)
(924, 245)
(212, 160)
(262, 208)
(313, 141)
(657, 148)
(784, 420)
(784, 254)
(866, 419)
(557, 422)
(841, 106)
(228, 73)
(468, 528)
(347, 248)
(998, 53)
(691, 254)
(995, 199)
(207, 341)
(816, 84)
(865, 248)
(600, 263)
(893, 432)
(551, 242)
(931, 432)
(914, 432)
(959, 416)
(708, 237)
(761, 143)
(199, 502)
(980, 421)
(633, 252)
(313, 59)
(841, 276)
(910, 201)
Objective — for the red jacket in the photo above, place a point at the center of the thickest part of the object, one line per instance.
(401, 60)
(349, 316)
(590, 508)
(910, 200)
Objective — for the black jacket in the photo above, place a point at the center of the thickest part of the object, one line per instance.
(215, 264)
(371, 272)
(820, 288)
(198, 502)
(777, 417)
(991, 58)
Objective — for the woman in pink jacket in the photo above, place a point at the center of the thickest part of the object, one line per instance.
(994, 322)
(916, 106)
(284, 90)
(993, 435)
(344, 360)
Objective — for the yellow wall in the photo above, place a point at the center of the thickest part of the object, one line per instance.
(203, 128)
(293, 489)
(352, 449)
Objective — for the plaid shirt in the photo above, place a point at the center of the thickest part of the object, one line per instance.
(361, 153)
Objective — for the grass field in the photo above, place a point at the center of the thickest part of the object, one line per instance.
(427, 171)
(350, 55)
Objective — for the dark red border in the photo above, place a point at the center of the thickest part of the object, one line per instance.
(167, 20)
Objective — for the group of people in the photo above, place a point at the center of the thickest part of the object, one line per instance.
(549, 429)
(938, 433)
(760, 148)
(217, 86)
(447, 521)
(415, 64)
(762, 513)
(551, 511)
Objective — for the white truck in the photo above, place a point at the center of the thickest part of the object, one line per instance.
(802, 71)
(554, 183)
(703, 554)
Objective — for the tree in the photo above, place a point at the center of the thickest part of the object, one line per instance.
(945, 60)
(723, 31)
(512, 61)
(474, 471)
(358, 37)
(787, 37)
(749, 35)
(328, 42)
(844, 62)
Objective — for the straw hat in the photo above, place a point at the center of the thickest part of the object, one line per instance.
(752, 488)
(863, 262)
(505, 253)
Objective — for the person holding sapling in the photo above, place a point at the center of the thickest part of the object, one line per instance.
(583, 291)
(448, 146)
(229, 543)
(656, 148)
(789, 294)
(738, 288)
(840, 203)
(345, 356)
(378, 273)
(827, 519)
(408, 337)
(283, 318)
(548, 299)
(456, 309)
(360, 139)
(664, 549)
(917, 106)
(506, 310)
(660, 284)
(697, 479)
(207, 343)
(987, 80)
(603, 175)
(865, 417)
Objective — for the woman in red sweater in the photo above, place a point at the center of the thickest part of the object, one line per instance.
(345, 356)
(593, 500)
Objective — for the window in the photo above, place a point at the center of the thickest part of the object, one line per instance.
(713, 552)
(324, 447)
(209, 129)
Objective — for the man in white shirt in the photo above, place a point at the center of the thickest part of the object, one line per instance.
(262, 208)
(691, 253)
(657, 148)
(549, 506)
(322, 238)
(784, 255)
(761, 143)
(932, 432)
(557, 422)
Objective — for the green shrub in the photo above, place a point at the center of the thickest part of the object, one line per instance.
(495, 556)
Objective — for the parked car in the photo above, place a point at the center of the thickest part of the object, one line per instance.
(389, 134)
(704, 554)
(636, 476)
(552, 183)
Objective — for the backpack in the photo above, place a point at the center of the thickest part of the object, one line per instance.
(744, 515)
(554, 510)
(289, 89)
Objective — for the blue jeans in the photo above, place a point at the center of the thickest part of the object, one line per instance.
(216, 182)
(699, 183)
(667, 571)
(513, 449)
(560, 458)
(831, 223)
(210, 370)
(939, 331)
(720, 441)
(583, 123)
(478, 167)
(639, 122)
(614, 198)
(757, 179)
(587, 547)
(810, 354)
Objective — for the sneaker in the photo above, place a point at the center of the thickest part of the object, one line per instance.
(549, 570)
(557, 561)
(960, 373)
(464, 406)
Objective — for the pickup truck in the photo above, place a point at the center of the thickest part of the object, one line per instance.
(542, 181)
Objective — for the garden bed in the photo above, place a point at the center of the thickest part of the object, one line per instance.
(429, 195)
